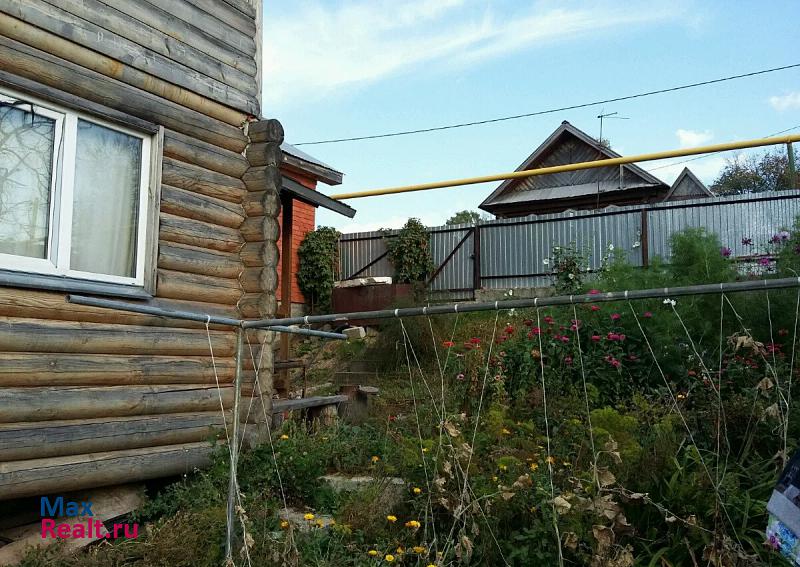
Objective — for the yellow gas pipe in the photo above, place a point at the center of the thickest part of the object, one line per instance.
(758, 142)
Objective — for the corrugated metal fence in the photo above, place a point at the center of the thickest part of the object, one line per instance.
(513, 253)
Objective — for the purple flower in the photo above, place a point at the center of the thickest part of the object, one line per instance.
(784, 235)
(725, 251)
(747, 241)
(763, 261)
(459, 377)
(568, 360)
(615, 316)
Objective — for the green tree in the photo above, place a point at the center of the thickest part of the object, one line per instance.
(753, 174)
(465, 217)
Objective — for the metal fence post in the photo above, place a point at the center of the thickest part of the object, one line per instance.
(645, 239)
(233, 485)
(476, 258)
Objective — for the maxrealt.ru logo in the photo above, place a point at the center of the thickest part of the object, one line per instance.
(87, 527)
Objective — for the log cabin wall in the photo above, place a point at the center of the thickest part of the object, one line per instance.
(92, 397)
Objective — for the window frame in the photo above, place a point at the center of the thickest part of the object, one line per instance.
(59, 238)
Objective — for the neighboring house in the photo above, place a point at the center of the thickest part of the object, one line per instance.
(584, 189)
(134, 164)
(307, 171)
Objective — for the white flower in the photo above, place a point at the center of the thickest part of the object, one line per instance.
(510, 292)
(669, 301)
(546, 261)
(637, 244)
(611, 247)
(571, 276)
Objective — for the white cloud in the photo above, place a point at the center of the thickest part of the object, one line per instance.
(788, 101)
(692, 138)
(316, 49)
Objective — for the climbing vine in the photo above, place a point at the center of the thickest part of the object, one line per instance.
(410, 253)
(319, 264)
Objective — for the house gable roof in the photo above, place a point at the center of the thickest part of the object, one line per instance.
(696, 187)
(514, 190)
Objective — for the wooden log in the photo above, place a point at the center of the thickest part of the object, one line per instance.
(35, 335)
(87, 34)
(184, 258)
(202, 21)
(17, 58)
(79, 402)
(251, 254)
(228, 15)
(191, 205)
(200, 180)
(136, 31)
(26, 369)
(36, 440)
(264, 178)
(264, 154)
(179, 285)
(306, 403)
(190, 150)
(250, 306)
(59, 474)
(160, 18)
(199, 234)
(258, 280)
(262, 203)
(269, 130)
(255, 229)
(60, 47)
(54, 306)
(244, 6)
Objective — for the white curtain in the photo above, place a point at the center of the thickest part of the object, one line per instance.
(26, 169)
(106, 201)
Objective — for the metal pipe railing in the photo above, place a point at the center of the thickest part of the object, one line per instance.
(755, 143)
(193, 316)
(656, 293)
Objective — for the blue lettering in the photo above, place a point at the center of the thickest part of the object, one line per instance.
(53, 510)
(87, 509)
(72, 509)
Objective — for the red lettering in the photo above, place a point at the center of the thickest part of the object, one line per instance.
(134, 532)
(48, 528)
(64, 531)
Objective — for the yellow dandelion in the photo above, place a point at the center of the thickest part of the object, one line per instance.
(534, 466)
(391, 518)
(551, 459)
(372, 553)
(419, 549)
(284, 524)
(320, 524)
(494, 479)
(424, 449)
(503, 467)
(417, 490)
(431, 565)
(505, 431)
(412, 524)
(375, 458)
(284, 437)
(309, 517)
(400, 551)
(389, 558)
(681, 397)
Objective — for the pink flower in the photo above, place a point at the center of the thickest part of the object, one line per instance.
(549, 320)
(509, 330)
(459, 377)
(764, 261)
(647, 315)
(594, 307)
(564, 339)
(615, 363)
(535, 331)
(448, 344)
(622, 336)
(725, 251)
(616, 316)
(475, 340)
(594, 292)
(595, 338)
(568, 360)
(633, 357)
(613, 336)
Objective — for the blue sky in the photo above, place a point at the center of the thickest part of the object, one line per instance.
(339, 69)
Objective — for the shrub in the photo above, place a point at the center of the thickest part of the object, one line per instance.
(409, 252)
(319, 264)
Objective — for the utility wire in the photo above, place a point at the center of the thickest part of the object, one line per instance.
(551, 110)
(709, 155)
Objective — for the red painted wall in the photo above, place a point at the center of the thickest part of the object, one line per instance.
(303, 221)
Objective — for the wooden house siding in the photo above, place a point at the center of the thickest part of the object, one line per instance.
(90, 396)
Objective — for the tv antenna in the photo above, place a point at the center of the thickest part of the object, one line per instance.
(613, 115)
